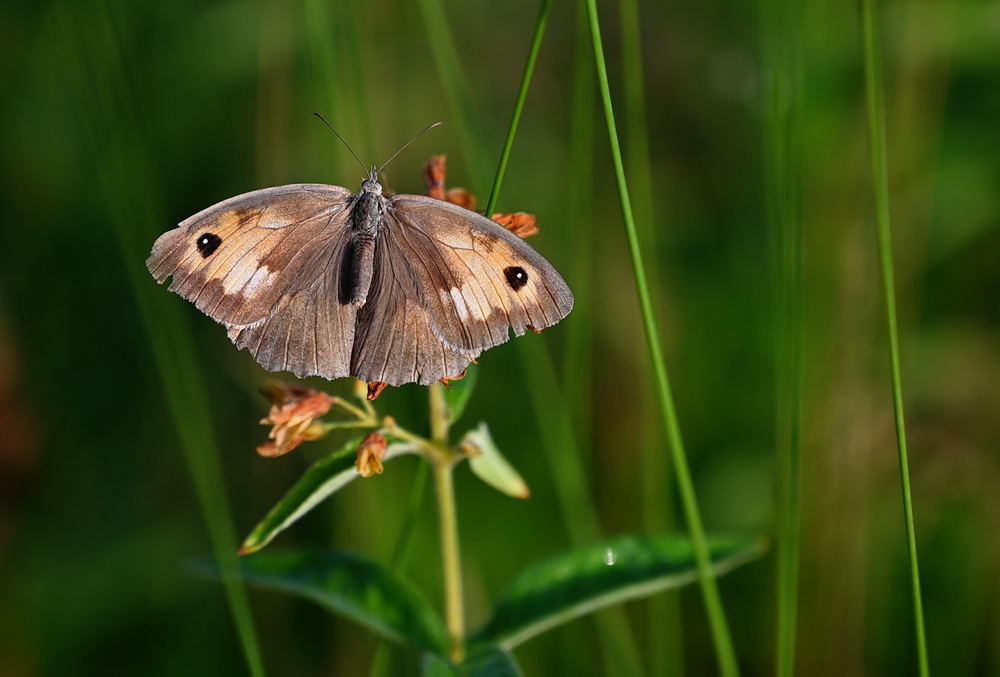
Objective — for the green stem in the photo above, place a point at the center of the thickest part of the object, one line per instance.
(442, 463)
(725, 653)
(880, 174)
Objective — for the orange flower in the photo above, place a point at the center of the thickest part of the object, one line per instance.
(293, 415)
(371, 451)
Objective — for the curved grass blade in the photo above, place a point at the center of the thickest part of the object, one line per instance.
(595, 576)
(522, 94)
(725, 653)
(350, 586)
(488, 661)
(880, 183)
(322, 479)
(98, 67)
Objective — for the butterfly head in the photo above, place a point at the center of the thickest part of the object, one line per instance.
(371, 184)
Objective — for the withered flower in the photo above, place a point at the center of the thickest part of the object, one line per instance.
(371, 451)
(446, 381)
(434, 172)
(521, 224)
(292, 416)
(375, 389)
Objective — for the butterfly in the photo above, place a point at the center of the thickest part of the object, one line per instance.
(316, 280)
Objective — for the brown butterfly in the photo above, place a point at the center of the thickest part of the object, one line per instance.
(313, 279)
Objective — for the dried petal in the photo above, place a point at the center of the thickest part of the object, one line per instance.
(371, 451)
(434, 173)
(461, 197)
(292, 416)
(375, 389)
(446, 381)
(521, 224)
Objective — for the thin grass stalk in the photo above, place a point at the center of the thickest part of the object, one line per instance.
(561, 446)
(353, 53)
(725, 653)
(108, 106)
(557, 431)
(323, 57)
(522, 94)
(781, 75)
(580, 210)
(666, 652)
(449, 70)
(880, 180)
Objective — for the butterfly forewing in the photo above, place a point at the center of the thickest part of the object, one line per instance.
(235, 260)
(478, 279)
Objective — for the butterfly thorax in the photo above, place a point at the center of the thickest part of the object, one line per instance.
(368, 208)
(367, 219)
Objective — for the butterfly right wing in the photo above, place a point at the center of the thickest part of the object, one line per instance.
(395, 341)
(268, 265)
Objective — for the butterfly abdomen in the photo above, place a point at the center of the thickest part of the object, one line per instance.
(362, 267)
(367, 219)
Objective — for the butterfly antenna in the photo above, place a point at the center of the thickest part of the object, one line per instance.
(349, 145)
(425, 129)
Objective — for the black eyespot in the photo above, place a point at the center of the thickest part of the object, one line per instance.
(208, 243)
(516, 277)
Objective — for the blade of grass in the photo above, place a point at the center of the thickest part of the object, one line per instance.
(720, 631)
(782, 77)
(449, 70)
(580, 208)
(880, 179)
(522, 94)
(667, 651)
(96, 60)
(557, 430)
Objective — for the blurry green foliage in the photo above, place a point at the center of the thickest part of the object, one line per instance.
(98, 512)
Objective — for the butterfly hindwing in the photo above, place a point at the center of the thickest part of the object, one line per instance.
(395, 342)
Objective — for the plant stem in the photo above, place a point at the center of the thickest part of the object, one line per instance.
(880, 174)
(442, 462)
(725, 653)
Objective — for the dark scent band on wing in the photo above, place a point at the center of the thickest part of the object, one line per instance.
(362, 268)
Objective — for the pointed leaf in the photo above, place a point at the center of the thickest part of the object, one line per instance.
(322, 479)
(458, 393)
(351, 586)
(595, 576)
(489, 464)
(486, 661)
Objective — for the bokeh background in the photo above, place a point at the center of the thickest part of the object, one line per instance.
(120, 119)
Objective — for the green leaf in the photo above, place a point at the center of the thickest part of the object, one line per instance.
(458, 392)
(350, 586)
(489, 464)
(486, 661)
(322, 479)
(595, 576)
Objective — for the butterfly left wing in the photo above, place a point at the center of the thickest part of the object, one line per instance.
(268, 265)
(478, 280)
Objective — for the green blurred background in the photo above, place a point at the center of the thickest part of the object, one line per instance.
(121, 119)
